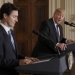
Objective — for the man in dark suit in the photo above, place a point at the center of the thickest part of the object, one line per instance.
(52, 29)
(9, 57)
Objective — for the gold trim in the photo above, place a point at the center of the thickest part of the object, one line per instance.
(70, 60)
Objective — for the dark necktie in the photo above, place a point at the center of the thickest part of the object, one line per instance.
(11, 38)
(58, 36)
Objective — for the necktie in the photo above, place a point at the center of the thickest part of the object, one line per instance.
(11, 38)
(58, 36)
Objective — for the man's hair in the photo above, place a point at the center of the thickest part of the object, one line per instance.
(60, 10)
(7, 8)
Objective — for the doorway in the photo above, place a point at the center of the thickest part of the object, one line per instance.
(31, 14)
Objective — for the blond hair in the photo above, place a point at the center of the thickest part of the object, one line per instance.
(60, 10)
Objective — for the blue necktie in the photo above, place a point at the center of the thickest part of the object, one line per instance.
(58, 36)
(11, 37)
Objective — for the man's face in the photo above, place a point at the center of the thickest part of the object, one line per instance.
(11, 19)
(58, 17)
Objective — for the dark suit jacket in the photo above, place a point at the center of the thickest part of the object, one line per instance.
(48, 28)
(9, 58)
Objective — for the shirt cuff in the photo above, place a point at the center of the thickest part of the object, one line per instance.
(57, 44)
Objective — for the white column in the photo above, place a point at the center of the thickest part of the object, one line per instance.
(53, 5)
(9, 1)
(4, 1)
(70, 17)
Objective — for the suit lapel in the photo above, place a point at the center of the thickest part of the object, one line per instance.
(54, 29)
(14, 39)
(14, 42)
(60, 28)
(7, 37)
(10, 43)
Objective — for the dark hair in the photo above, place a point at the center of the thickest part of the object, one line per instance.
(7, 8)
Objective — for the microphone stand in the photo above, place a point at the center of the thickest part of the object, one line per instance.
(57, 49)
(72, 24)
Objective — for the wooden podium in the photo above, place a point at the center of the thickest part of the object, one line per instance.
(53, 65)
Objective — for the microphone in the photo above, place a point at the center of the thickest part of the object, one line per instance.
(47, 40)
(70, 24)
(41, 34)
(67, 23)
(36, 32)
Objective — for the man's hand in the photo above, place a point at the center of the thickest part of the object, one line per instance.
(28, 60)
(32, 59)
(70, 41)
(62, 46)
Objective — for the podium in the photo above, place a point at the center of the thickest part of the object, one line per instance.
(53, 65)
(70, 47)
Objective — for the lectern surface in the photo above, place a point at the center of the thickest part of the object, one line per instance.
(53, 66)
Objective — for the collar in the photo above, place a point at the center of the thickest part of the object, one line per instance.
(5, 27)
(54, 23)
